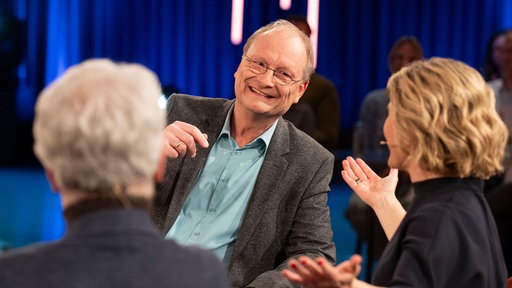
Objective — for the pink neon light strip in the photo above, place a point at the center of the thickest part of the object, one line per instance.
(237, 21)
(285, 4)
(313, 16)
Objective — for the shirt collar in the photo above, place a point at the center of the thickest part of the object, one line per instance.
(265, 137)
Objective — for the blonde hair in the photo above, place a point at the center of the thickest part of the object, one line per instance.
(286, 25)
(446, 118)
(99, 126)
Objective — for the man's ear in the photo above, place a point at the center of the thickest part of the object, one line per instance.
(302, 88)
(51, 179)
(160, 169)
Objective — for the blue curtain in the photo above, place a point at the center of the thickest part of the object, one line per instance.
(187, 42)
(353, 49)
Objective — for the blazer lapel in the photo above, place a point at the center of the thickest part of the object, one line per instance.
(272, 170)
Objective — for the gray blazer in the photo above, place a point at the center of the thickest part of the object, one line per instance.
(287, 214)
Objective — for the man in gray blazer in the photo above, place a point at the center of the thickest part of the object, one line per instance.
(241, 181)
(87, 132)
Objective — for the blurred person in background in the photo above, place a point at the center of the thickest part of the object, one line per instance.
(368, 136)
(322, 96)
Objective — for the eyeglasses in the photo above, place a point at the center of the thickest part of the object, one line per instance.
(281, 77)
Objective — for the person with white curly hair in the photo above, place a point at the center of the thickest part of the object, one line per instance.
(98, 134)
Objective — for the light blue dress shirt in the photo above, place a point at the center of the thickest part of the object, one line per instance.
(214, 209)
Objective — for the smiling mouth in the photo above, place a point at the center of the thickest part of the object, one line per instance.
(260, 93)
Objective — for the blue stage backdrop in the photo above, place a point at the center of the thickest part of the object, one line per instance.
(187, 42)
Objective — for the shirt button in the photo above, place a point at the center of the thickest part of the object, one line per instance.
(211, 210)
(238, 152)
(197, 233)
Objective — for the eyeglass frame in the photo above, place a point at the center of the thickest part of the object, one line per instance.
(255, 62)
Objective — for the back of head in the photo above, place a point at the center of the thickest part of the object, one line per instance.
(446, 118)
(280, 25)
(99, 126)
(396, 59)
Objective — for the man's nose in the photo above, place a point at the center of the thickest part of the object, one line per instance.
(268, 76)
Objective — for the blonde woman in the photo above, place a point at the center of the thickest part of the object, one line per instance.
(442, 129)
